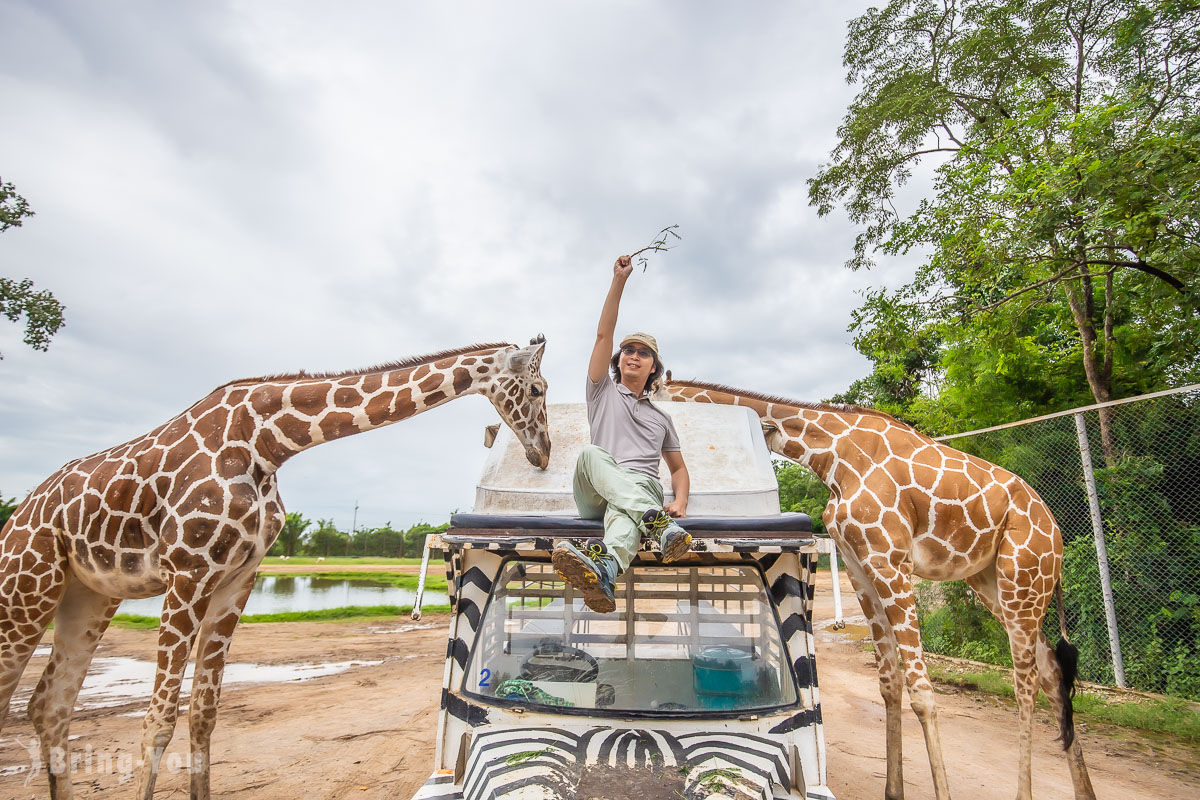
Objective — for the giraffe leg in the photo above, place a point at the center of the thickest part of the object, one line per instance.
(1021, 641)
(212, 648)
(1051, 675)
(184, 606)
(891, 678)
(83, 616)
(893, 586)
(1038, 665)
(31, 584)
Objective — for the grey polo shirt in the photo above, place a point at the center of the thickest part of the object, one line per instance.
(633, 430)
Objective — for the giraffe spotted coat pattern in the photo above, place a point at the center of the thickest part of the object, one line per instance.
(189, 510)
(902, 506)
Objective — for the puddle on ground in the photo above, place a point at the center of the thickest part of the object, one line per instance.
(854, 629)
(118, 680)
(404, 628)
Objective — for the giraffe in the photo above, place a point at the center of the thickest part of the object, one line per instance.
(189, 510)
(903, 505)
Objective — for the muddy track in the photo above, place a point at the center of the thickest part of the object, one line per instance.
(367, 732)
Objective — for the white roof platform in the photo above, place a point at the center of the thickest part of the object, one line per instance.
(723, 446)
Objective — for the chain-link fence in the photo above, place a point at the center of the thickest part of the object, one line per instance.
(1136, 506)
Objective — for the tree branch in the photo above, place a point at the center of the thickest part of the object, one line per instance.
(1142, 266)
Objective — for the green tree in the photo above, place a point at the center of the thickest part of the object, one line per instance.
(7, 509)
(414, 537)
(291, 535)
(801, 490)
(384, 541)
(1063, 219)
(326, 540)
(43, 314)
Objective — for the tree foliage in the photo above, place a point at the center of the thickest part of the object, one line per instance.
(291, 535)
(1059, 239)
(801, 490)
(327, 540)
(7, 509)
(1062, 232)
(43, 314)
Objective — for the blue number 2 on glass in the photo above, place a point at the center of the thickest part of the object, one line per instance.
(484, 676)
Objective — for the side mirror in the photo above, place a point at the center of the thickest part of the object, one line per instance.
(489, 434)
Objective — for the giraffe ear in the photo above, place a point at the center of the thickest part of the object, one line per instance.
(528, 357)
(538, 346)
(519, 359)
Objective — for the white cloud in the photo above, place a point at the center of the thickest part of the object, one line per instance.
(251, 187)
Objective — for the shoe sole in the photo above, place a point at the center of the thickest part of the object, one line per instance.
(573, 572)
(680, 547)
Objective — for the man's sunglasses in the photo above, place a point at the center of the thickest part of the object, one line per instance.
(641, 352)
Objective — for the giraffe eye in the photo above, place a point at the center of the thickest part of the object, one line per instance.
(535, 391)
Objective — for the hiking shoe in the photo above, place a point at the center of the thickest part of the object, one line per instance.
(673, 541)
(593, 571)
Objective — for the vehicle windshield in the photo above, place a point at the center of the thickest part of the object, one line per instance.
(682, 639)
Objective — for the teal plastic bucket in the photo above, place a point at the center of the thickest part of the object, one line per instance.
(722, 671)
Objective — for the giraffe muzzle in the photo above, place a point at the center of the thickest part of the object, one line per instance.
(539, 454)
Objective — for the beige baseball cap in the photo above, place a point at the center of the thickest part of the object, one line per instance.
(644, 338)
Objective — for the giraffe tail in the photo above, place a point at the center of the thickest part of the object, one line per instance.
(1067, 656)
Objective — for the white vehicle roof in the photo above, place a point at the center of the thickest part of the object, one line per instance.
(723, 447)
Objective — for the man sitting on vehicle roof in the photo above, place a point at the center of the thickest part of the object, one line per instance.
(616, 477)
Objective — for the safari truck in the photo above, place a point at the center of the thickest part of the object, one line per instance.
(702, 683)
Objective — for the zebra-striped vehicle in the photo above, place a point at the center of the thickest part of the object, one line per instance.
(702, 683)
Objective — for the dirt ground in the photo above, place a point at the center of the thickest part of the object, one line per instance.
(367, 732)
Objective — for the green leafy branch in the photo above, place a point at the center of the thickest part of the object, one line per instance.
(659, 245)
(526, 755)
(714, 780)
(43, 313)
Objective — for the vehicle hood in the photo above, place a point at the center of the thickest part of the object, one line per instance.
(512, 763)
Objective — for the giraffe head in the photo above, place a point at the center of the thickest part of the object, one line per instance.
(518, 391)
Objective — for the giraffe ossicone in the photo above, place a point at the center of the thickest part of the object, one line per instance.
(902, 506)
(189, 510)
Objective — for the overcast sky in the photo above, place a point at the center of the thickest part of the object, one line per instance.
(232, 189)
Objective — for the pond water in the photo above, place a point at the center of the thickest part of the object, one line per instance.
(274, 594)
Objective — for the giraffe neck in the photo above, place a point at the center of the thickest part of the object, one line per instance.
(819, 437)
(289, 415)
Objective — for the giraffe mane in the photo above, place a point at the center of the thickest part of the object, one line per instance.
(841, 408)
(414, 361)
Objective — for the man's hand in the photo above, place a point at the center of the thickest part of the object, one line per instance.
(623, 268)
(676, 508)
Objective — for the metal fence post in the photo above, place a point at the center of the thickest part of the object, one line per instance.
(1110, 611)
(839, 620)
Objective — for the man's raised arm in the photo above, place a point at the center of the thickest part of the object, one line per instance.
(602, 352)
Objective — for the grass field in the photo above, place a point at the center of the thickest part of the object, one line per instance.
(343, 614)
(305, 561)
(1167, 715)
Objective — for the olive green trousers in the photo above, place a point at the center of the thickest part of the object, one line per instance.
(606, 490)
